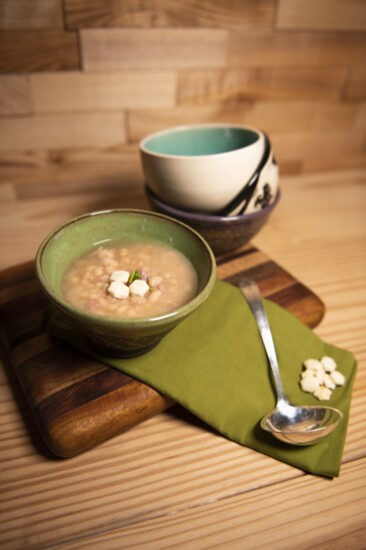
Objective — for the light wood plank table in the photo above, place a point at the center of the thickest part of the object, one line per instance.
(170, 483)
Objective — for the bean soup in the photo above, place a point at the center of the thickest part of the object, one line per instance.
(131, 280)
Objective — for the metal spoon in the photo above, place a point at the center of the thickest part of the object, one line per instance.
(296, 425)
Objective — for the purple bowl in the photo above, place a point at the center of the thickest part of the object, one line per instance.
(223, 233)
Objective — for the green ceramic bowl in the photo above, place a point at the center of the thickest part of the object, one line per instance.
(122, 337)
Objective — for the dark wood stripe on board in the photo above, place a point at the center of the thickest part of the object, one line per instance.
(286, 297)
(265, 270)
(68, 399)
(299, 301)
(15, 275)
(21, 318)
(57, 364)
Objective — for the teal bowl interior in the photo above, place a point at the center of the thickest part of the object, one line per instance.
(80, 235)
(198, 141)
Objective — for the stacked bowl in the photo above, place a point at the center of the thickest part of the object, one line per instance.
(220, 179)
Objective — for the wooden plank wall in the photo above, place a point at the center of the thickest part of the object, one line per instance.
(83, 82)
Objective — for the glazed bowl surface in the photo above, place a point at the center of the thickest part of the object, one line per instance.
(119, 336)
(218, 168)
(223, 233)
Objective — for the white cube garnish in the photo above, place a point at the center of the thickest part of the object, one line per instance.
(323, 393)
(313, 364)
(139, 288)
(310, 384)
(338, 378)
(320, 377)
(118, 290)
(120, 276)
(329, 382)
(329, 364)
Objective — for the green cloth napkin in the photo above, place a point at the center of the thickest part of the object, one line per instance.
(214, 365)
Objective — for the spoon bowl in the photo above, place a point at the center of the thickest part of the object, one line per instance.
(297, 425)
(301, 425)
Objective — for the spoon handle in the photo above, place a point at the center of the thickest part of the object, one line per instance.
(251, 292)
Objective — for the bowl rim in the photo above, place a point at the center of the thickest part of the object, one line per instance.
(185, 127)
(198, 217)
(105, 320)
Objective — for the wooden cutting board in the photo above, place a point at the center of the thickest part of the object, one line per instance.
(77, 402)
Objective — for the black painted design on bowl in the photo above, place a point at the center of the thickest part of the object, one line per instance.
(266, 197)
(244, 196)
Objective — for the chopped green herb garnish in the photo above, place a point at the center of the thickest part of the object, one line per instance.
(134, 276)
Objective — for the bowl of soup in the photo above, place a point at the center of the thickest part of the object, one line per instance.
(125, 278)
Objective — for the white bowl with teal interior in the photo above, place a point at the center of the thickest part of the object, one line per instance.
(221, 169)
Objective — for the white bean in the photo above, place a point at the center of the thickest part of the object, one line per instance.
(88, 280)
(154, 296)
(155, 280)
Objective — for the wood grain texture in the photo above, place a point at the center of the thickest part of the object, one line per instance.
(46, 50)
(15, 95)
(122, 486)
(276, 116)
(261, 83)
(174, 63)
(76, 91)
(227, 14)
(170, 482)
(317, 151)
(324, 526)
(51, 131)
(79, 403)
(301, 48)
(331, 15)
(119, 49)
(7, 192)
(361, 117)
(356, 85)
(67, 172)
(38, 14)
